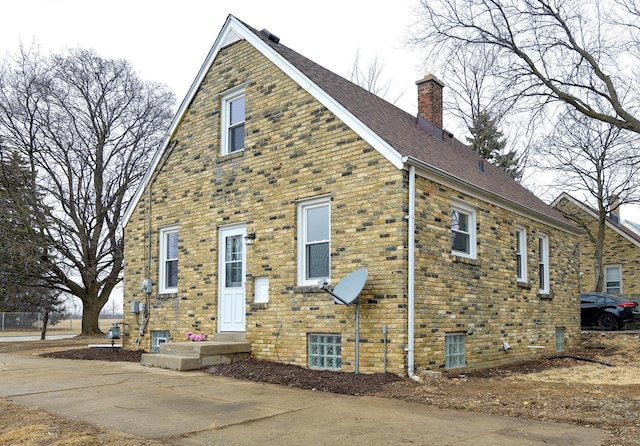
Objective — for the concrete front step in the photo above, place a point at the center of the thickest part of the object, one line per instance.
(205, 348)
(196, 355)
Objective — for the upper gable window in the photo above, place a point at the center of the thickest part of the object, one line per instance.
(463, 231)
(233, 122)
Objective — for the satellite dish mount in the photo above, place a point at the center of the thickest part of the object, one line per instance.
(347, 292)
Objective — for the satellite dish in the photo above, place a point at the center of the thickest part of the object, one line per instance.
(347, 292)
(348, 289)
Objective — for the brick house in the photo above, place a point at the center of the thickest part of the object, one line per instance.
(277, 173)
(621, 254)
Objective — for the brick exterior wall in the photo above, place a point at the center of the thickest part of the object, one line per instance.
(618, 250)
(482, 297)
(296, 149)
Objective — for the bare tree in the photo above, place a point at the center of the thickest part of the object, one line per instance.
(371, 77)
(577, 52)
(597, 160)
(88, 128)
(478, 103)
(472, 90)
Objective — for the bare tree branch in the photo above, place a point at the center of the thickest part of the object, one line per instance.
(88, 127)
(577, 52)
(596, 160)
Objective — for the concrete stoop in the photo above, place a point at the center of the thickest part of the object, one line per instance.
(226, 348)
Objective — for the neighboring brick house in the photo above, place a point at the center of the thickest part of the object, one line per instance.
(621, 253)
(280, 173)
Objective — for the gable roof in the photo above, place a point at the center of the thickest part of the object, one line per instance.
(616, 226)
(394, 133)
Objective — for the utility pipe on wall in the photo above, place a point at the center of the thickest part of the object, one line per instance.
(411, 274)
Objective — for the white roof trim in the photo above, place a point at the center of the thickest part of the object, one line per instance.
(433, 173)
(232, 31)
(591, 212)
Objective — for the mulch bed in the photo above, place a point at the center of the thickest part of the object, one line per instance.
(260, 371)
(98, 354)
(303, 378)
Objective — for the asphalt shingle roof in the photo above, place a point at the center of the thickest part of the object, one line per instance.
(401, 130)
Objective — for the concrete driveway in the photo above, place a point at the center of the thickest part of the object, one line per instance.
(195, 408)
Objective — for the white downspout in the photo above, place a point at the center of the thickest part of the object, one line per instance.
(411, 274)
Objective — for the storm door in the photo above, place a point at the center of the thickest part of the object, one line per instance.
(231, 308)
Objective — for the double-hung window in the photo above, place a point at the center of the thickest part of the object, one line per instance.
(613, 279)
(521, 254)
(168, 260)
(314, 244)
(463, 231)
(233, 117)
(543, 263)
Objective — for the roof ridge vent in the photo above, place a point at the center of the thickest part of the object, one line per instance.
(272, 37)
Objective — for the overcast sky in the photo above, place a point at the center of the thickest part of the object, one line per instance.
(167, 41)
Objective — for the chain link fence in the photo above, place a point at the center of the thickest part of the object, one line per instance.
(20, 321)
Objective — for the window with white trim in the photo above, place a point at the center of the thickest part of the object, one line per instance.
(454, 350)
(463, 231)
(613, 279)
(543, 263)
(314, 244)
(521, 254)
(233, 116)
(325, 351)
(168, 260)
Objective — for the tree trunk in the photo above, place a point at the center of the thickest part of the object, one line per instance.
(90, 317)
(45, 322)
(598, 268)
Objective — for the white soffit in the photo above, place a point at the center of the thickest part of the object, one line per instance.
(230, 38)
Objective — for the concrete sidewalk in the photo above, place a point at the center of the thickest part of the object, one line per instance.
(195, 408)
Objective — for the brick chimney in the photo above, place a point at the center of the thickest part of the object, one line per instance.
(430, 99)
(614, 208)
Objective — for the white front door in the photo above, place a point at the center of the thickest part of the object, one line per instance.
(231, 290)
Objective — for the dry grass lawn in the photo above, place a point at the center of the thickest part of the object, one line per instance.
(561, 390)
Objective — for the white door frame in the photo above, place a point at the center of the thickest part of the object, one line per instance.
(232, 298)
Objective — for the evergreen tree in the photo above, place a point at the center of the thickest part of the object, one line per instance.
(487, 140)
(22, 244)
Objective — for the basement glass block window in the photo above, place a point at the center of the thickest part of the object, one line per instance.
(559, 339)
(158, 337)
(325, 351)
(454, 344)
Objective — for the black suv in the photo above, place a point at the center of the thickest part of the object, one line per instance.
(606, 312)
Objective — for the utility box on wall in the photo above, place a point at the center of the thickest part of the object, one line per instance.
(261, 293)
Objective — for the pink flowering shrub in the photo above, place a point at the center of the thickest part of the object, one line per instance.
(197, 337)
